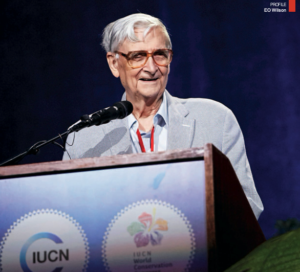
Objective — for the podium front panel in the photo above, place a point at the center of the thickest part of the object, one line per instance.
(144, 218)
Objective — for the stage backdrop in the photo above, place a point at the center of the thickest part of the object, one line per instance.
(53, 70)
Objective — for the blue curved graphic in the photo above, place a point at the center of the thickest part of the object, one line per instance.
(31, 240)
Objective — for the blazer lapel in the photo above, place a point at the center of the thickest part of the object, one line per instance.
(118, 135)
(180, 132)
(181, 129)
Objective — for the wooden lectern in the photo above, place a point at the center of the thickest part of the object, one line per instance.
(231, 227)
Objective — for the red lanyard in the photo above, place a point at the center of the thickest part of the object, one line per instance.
(141, 140)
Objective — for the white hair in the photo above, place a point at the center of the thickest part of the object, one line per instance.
(118, 31)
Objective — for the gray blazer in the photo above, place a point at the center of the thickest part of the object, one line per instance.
(193, 122)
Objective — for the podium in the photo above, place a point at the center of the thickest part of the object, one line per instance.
(181, 210)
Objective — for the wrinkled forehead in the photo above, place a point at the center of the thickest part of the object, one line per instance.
(148, 40)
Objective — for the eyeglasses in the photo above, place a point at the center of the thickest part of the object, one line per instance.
(137, 59)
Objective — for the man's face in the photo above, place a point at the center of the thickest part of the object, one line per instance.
(133, 79)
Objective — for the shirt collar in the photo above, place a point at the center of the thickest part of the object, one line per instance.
(161, 117)
(132, 122)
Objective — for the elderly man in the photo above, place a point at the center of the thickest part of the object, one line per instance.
(139, 52)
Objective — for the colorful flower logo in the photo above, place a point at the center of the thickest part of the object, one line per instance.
(148, 230)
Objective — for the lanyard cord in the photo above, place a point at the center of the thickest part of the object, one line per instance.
(141, 140)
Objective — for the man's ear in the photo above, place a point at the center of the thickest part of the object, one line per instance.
(113, 64)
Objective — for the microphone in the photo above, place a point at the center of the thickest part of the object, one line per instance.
(118, 110)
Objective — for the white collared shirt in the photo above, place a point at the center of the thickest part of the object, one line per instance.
(160, 122)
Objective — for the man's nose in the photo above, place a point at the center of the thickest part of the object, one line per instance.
(150, 66)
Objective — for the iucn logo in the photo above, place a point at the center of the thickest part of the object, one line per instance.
(44, 241)
(147, 236)
(52, 255)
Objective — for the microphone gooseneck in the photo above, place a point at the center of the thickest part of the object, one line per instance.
(118, 111)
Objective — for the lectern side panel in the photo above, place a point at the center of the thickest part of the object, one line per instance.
(139, 218)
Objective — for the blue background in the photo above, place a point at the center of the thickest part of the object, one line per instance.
(94, 198)
(53, 70)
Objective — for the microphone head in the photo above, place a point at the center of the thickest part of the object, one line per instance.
(124, 108)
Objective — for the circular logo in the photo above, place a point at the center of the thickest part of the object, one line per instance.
(44, 241)
(149, 235)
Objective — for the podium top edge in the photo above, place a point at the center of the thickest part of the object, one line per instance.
(101, 162)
